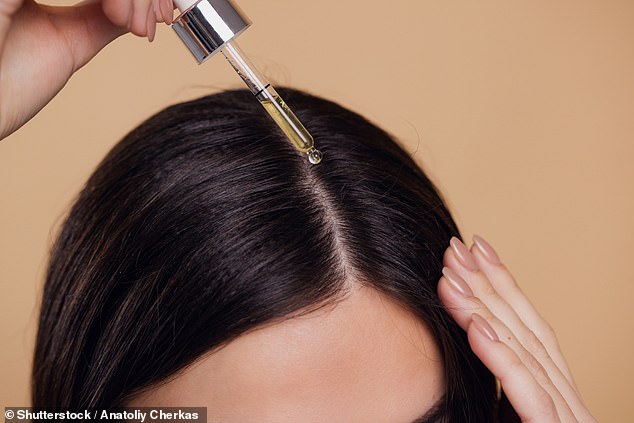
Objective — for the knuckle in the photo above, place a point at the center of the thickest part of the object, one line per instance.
(537, 370)
(488, 289)
(533, 344)
(482, 282)
(485, 289)
(546, 332)
(515, 365)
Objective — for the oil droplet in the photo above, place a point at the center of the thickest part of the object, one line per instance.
(314, 156)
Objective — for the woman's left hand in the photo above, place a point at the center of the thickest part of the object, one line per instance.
(508, 335)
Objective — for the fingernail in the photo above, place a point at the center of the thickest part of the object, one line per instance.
(484, 327)
(151, 25)
(463, 254)
(486, 249)
(457, 282)
(167, 10)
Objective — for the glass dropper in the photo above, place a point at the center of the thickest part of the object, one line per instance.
(208, 26)
(272, 102)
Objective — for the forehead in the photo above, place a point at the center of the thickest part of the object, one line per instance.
(363, 359)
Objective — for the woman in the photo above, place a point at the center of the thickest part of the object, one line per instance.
(207, 263)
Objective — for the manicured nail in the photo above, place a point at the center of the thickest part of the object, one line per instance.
(486, 249)
(484, 327)
(457, 282)
(463, 254)
(151, 25)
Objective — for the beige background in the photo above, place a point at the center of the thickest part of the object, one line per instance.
(522, 112)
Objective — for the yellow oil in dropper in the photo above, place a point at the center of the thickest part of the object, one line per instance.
(272, 103)
(292, 127)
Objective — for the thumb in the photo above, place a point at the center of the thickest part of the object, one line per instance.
(86, 29)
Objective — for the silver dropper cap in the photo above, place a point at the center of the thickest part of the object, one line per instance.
(207, 25)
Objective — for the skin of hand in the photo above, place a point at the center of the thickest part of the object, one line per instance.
(509, 336)
(42, 46)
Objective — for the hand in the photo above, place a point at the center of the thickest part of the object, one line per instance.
(42, 46)
(508, 335)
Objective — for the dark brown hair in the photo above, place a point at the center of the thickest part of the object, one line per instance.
(204, 223)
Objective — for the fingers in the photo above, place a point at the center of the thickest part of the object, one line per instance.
(462, 307)
(167, 10)
(535, 405)
(475, 281)
(139, 16)
(504, 284)
(495, 286)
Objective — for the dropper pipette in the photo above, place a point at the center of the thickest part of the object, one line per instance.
(208, 26)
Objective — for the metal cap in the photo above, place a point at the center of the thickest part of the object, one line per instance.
(208, 24)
